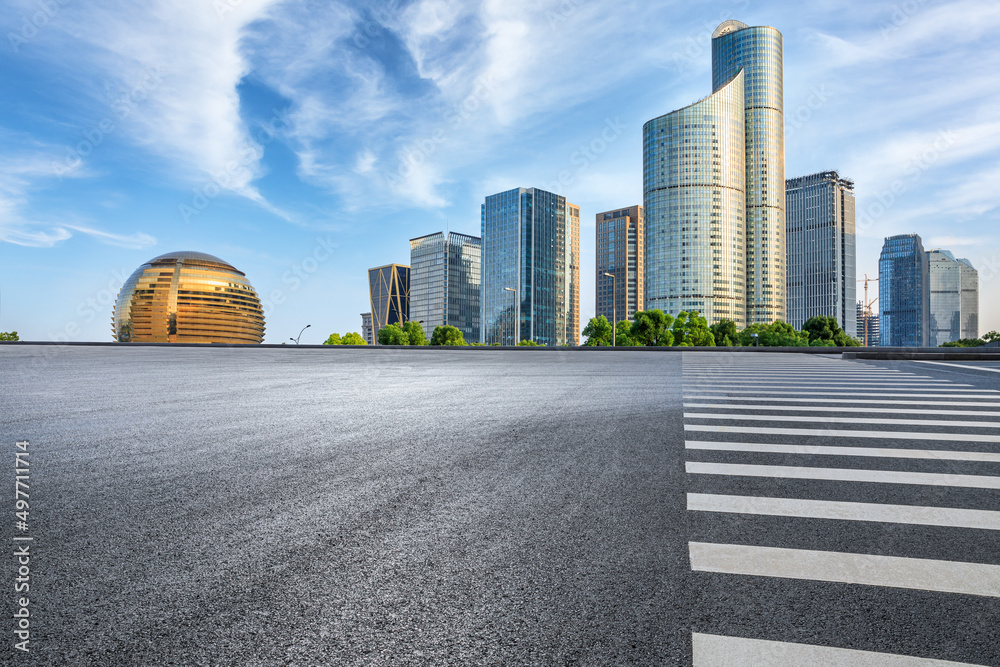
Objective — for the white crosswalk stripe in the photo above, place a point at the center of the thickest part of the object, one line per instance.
(833, 399)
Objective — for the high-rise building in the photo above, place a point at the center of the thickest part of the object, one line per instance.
(820, 255)
(970, 300)
(954, 298)
(366, 328)
(620, 252)
(445, 282)
(714, 188)
(389, 287)
(573, 265)
(867, 331)
(758, 53)
(528, 270)
(903, 292)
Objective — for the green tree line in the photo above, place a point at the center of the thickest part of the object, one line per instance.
(974, 342)
(654, 328)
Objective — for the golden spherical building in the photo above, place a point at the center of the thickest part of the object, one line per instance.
(188, 297)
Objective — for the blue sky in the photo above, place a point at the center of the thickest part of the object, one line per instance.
(305, 142)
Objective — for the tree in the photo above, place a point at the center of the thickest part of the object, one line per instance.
(598, 332)
(353, 338)
(725, 333)
(652, 328)
(691, 330)
(825, 331)
(624, 337)
(529, 343)
(447, 335)
(393, 334)
(334, 339)
(775, 334)
(9, 336)
(416, 334)
(990, 337)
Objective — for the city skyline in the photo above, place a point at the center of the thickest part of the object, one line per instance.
(117, 149)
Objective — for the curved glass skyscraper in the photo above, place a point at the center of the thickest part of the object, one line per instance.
(694, 182)
(758, 53)
(714, 188)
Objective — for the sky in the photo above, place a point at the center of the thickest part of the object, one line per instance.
(306, 141)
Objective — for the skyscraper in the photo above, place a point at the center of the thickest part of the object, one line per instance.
(366, 328)
(821, 249)
(903, 292)
(714, 188)
(620, 252)
(528, 274)
(954, 298)
(445, 282)
(758, 53)
(389, 287)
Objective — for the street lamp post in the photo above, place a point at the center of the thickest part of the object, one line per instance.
(614, 308)
(517, 322)
(296, 339)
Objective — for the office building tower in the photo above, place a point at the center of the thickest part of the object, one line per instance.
(694, 184)
(389, 287)
(445, 282)
(820, 256)
(527, 268)
(903, 291)
(366, 328)
(970, 300)
(573, 277)
(620, 252)
(757, 51)
(867, 331)
(714, 188)
(954, 298)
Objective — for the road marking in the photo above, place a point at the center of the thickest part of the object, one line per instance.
(975, 368)
(890, 384)
(912, 573)
(967, 393)
(721, 651)
(845, 409)
(817, 450)
(844, 475)
(700, 397)
(843, 433)
(843, 511)
(843, 420)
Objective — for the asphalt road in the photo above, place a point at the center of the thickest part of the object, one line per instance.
(366, 507)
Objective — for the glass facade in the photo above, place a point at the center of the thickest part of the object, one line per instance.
(445, 281)
(954, 298)
(188, 297)
(757, 52)
(527, 246)
(820, 255)
(694, 195)
(620, 252)
(389, 287)
(573, 263)
(903, 292)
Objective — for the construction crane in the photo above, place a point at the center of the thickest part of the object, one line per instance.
(867, 305)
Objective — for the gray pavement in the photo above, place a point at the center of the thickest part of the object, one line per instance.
(364, 507)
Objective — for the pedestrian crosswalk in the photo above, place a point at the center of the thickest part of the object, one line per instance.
(846, 449)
